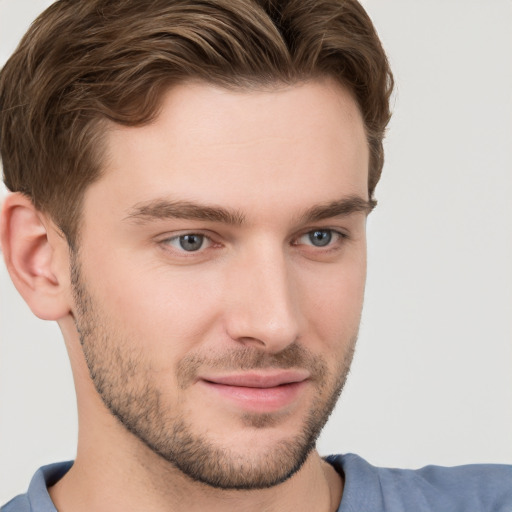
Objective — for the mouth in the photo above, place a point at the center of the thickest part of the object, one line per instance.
(261, 392)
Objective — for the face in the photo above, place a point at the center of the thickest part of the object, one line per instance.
(219, 281)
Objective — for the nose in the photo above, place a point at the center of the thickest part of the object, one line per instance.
(263, 307)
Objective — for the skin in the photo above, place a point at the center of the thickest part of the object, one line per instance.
(158, 321)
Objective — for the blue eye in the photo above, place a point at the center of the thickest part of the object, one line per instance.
(328, 238)
(320, 237)
(189, 242)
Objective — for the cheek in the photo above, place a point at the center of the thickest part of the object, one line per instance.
(334, 308)
(164, 311)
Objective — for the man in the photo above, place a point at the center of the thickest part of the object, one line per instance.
(190, 184)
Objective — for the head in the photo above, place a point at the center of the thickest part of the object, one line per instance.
(208, 168)
(82, 65)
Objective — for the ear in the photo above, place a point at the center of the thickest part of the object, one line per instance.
(36, 256)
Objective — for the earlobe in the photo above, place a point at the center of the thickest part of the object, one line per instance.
(35, 257)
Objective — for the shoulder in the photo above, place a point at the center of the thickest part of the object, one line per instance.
(18, 504)
(37, 498)
(485, 487)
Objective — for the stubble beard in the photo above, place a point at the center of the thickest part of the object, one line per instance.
(122, 378)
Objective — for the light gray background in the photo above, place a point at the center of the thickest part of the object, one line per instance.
(432, 377)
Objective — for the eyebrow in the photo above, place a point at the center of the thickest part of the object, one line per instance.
(341, 208)
(161, 209)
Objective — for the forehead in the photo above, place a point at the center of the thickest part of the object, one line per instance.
(250, 149)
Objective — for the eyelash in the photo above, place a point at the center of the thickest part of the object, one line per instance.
(176, 238)
(335, 236)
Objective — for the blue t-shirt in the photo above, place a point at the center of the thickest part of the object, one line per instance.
(472, 488)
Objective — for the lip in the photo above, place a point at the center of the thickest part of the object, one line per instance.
(258, 391)
(259, 379)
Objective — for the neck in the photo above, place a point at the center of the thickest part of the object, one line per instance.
(108, 479)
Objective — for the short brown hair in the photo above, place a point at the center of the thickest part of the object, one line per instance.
(84, 62)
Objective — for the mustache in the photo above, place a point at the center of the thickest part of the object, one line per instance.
(250, 358)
